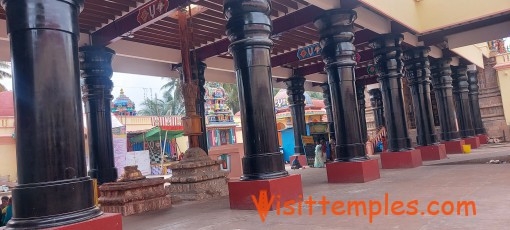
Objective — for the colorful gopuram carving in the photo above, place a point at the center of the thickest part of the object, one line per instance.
(123, 106)
(218, 117)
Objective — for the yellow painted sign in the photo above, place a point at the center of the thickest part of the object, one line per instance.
(307, 140)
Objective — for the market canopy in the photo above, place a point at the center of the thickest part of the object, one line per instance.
(157, 134)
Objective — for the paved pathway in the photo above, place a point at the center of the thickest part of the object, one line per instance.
(486, 184)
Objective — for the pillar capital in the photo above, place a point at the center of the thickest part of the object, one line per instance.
(296, 90)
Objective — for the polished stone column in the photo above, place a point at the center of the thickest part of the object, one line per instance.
(377, 107)
(442, 83)
(418, 75)
(198, 73)
(336, 28)
(474, 101)
(327, 106)
(249, 28)
(360, 96)
(462, 102)
(53, 187)
(295, 91)
(388, 56)
(96, 71)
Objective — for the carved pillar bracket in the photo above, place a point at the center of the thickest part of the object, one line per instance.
(248, 29)
(53, 187)
(474, 101)
(336, 28)
(388, 57)
(442, 83)
(295, 91)
(96, 72)
(418, 74)
(377, 107)
(462, 103)
(327, 106)
(360, 96)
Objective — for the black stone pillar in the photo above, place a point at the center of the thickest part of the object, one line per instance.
(418, 74)
(295, 91)
(462, 102)
(377, 107)
(442, 83)
(474, 101)
(249, 28)
(198, 74)
(327, 106)
(96, 66)
(360, 96)
(53, 187)
(336, 28)
(388, 57)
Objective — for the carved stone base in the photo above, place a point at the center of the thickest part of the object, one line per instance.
(197, 177)
(134, 197)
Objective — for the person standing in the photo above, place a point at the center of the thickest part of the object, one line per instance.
(3, 205)
(319, 156)
(7, 213)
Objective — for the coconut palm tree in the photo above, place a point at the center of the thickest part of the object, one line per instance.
(5, 72)
(173, 97)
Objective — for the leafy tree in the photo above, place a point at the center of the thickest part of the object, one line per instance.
(232, 94)
(5, 72)
(154, 107)
(315, 95)
(173, 97)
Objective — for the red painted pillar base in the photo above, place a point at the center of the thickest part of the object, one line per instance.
(454, 147)
(473, 141)
(110, 221)
(432, 152)
(484, 139)
(283, 189)
(301, 158)
(353, 172)
(405, 159)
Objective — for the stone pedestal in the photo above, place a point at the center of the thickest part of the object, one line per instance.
(484, 139)
(473, 141)
(197, 177)
(453, 147)
(282, 189)
(110, 221)
(353, 172)
(133, 197)
(432, 152)
(403, 159)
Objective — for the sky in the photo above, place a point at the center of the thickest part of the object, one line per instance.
(136, 87)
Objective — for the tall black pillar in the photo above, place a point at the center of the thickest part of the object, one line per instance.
(53, 186)
(96, 66)
(327, 106)
(462, 103)
(249, 28)
(442, 82)
(377, 107)
(336, 30)
(198, 74)
(360, 96)
(474, 101)
(295, 91)
(388, 56)
(418, 74)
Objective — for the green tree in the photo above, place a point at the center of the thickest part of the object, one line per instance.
(232, 94)
(315, 95)
(154, 107)
(5, 72)
(173, 97)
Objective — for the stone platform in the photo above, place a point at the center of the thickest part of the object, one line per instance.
(133, 197)
(404, 159)
(353, 172)
(432, 152)
(197, 177)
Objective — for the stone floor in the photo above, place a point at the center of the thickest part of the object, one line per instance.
(486, 184)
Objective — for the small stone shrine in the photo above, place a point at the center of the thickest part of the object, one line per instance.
(197, 177)
(133, 194)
